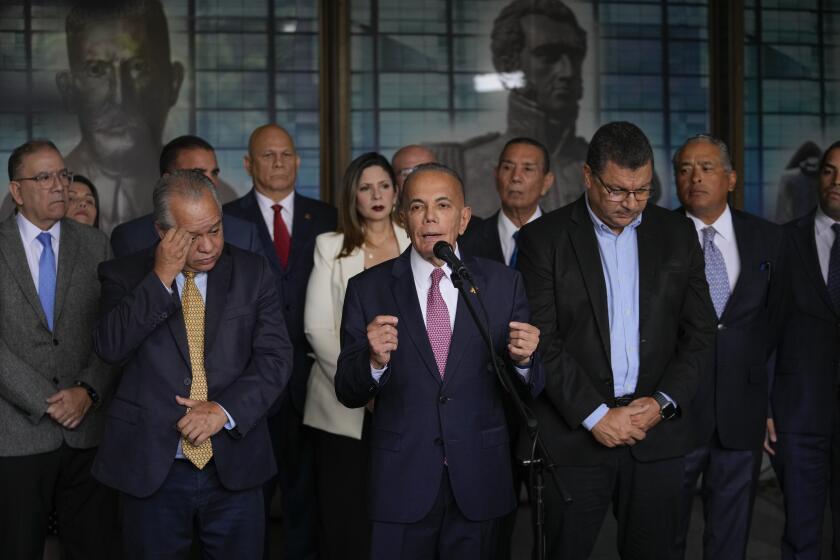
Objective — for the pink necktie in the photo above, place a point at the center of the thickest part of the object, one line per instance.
(437, 321)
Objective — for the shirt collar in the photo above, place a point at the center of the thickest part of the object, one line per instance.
(822, 221)
(422, 269)
(723, 225)
(600, 225)
(30, 231)
(508, 228)
(266, 203)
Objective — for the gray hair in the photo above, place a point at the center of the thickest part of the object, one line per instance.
(725, 159)
(188, 183)
(431, 166)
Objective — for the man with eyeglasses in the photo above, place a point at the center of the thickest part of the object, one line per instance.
(52, 384)
(617, 287)
(746, 276)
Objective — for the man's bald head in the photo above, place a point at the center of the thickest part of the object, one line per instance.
(407, 158)
(272, 161)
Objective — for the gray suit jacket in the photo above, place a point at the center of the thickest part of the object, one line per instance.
(34, 362)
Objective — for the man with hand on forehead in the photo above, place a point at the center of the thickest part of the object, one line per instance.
(198, 327)
(440, 476)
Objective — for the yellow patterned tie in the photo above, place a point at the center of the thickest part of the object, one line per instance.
(193, 307)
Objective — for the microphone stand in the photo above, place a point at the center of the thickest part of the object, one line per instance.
(540, 460)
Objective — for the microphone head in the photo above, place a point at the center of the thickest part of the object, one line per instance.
(442, 250)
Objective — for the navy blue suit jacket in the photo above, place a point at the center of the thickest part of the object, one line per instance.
(139, 233)
(247, 357)
(311, 218)
(732, 395)
(804, 397)
(420, 419)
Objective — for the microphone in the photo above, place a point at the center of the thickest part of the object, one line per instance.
(444, 252)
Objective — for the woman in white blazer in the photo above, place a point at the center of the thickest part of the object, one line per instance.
(368, 234)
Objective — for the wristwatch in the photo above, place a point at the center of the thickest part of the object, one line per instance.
(667, 410)
(94, 396)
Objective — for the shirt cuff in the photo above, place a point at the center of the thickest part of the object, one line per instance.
(376, 373)
(670, 400)
(524, 373)
(590, 421)
(231, 423)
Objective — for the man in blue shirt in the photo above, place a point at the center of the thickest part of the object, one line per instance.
(617, 288)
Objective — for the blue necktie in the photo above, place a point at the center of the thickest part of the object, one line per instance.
(833, 283)
(715, 271)
(46, 277)
(515, 253)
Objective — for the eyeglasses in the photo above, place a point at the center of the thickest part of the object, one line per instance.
(45, 180)
(617, 194)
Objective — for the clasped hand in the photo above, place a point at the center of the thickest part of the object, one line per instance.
(201, 420)
(627, 425)
(69, 406)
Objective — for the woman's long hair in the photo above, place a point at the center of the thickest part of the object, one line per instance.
(349, 220)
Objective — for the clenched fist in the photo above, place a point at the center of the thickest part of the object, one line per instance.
(523, 342)
(382, 339)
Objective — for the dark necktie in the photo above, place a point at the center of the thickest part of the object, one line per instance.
(515, 253)
(282, 241)
(833, 283)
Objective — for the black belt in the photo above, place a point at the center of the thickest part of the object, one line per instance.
(623, 401)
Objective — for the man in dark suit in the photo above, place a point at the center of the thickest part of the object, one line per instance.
(746, 275)
(51, 382)
(618, 291)
(198, 328)
(523, 176)
(440, 476)
(288, 224)
(184, 152)
(804, 431)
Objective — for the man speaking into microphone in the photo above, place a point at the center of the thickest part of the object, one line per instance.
(440, 472)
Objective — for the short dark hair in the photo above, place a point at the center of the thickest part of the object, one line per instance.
(25, 149)
(620, 142)
(508, 38)
(188, 183)
(531, 142)
(349, 222)
(170, 152)
(86, 12)
(89, 184)
(824, 157)
(431, 166)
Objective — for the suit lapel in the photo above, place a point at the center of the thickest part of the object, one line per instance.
(648, 247)
(464, 329)
(748, 276)
(11, 246)
(411, 322)
(179, 329)
(67, 258)
(589, 259)
(806, 245)
(301, 228)
(218, 281)
(492, 237)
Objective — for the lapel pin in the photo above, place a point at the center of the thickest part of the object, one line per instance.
(307, 216)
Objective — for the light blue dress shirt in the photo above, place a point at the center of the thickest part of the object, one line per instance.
(201, 284)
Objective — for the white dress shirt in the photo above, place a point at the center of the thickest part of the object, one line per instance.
(825, 239)
(724, 240)
(29, 233)
(288, 211)
(506, 230)
(422, 269)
